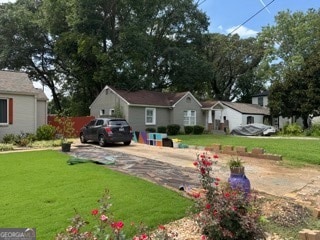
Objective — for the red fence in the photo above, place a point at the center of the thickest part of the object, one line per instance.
(78, 122)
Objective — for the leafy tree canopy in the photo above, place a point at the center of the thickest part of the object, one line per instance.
(291, 62)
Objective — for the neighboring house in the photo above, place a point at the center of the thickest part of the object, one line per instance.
(149, 109)
(222, 114)
(23, 108)
(278, 122)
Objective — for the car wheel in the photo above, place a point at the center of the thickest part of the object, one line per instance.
(127, 143)
(102, 142)
(82, 138)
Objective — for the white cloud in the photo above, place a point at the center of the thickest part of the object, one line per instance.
(242, 31)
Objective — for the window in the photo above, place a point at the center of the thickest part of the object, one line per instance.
(3, 111)
(150, 116)
(111, 112)
(101, 112)
(189, 118)
(250, 120)
(260, 101)
(6, 111)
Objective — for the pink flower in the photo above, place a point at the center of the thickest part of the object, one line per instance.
(103, 218)
(161, 227)
(74, 230)
(143, 237)
(117, 225)
(203, 237)
(215, 156)
(227, 195)
(218, 179)
(195, 163)
(208, 206)
(216, 183)
(94, 211)
(196, 195)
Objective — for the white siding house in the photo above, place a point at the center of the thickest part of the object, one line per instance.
(23, 108)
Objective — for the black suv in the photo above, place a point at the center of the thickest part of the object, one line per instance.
(106, 130)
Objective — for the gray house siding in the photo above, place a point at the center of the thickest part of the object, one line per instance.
(187, 103)
(137, 118)
(42, 111)
(24, 115)
(105, 102)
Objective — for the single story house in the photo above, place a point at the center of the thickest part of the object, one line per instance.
(23, 108)
(150, 109)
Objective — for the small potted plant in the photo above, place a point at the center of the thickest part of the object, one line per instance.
(236, 165)
(65, 130)
(238, 179)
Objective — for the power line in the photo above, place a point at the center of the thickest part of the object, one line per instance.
(252, 17)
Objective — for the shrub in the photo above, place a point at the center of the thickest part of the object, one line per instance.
(162, 129)
(150, 130)
(6, 147)
(315, 130)
(188, 129)
(46, 132)
(225, 213)
(292, 129)
(198, 129)
(23, 139)
(173, 129)
(9, 138)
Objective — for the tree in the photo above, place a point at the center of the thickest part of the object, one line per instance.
(26, 45)
(233, 61)
(291, 63)
(127, 44)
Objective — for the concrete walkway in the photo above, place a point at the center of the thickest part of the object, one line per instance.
(174, 168)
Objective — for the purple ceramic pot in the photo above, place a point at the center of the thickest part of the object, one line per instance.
(239, 181)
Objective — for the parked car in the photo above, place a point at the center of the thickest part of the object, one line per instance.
(254, 129)
(107, 130)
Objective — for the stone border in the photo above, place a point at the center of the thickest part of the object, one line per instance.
(242, 151)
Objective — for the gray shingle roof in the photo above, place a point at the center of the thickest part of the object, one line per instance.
(248, 108)
(151, 98)
(19, 83)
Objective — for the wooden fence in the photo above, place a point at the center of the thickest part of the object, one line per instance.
(77, 122)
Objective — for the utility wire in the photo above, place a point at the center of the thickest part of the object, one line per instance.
(252, 17)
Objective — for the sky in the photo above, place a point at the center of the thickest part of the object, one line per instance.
(228, 16)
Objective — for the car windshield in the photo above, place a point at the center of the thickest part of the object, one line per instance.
(118, 123)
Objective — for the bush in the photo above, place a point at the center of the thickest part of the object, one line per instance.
(150, 130)
(292, 129)
(314, 131)
(46, 132)
(225, 213)
(198, 129)
(188, 129)
(23, 139)
(162, 129)
(9, 138)
(173, 129)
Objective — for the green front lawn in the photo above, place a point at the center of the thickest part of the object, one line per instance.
(39, 189)
(294, 151)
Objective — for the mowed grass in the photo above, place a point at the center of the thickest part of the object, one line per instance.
(295, 151)
(39, 189)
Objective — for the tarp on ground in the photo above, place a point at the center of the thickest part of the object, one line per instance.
(250, 129)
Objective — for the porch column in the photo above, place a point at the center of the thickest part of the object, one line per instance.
(210, 125)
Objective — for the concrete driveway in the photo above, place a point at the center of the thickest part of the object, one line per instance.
(173, 167)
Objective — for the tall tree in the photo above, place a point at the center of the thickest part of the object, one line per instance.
(233, 62)
(130, 44)
(291, 63)
(26, 45)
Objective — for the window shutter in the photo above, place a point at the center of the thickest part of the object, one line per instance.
(10, 111)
